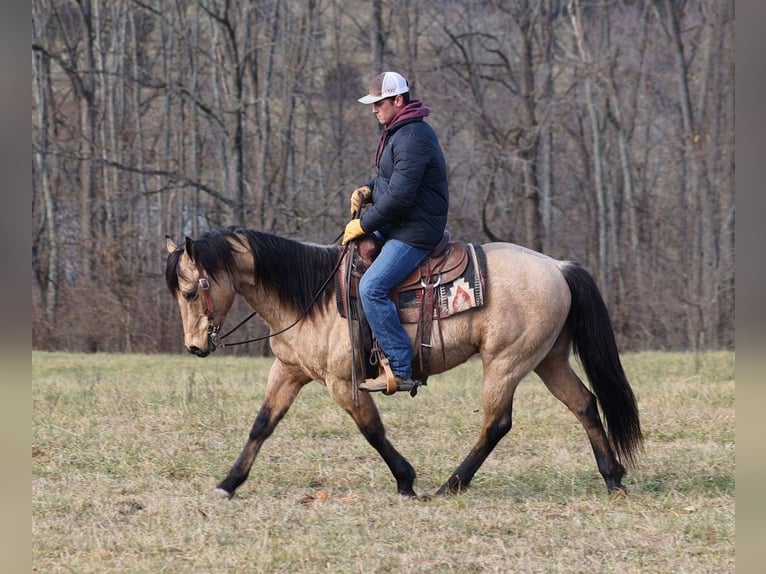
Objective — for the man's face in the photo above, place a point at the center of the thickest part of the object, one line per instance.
(385, 110)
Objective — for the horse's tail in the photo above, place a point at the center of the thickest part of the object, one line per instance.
(594, 343)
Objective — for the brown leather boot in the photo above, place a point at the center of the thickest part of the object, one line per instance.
(380, 383)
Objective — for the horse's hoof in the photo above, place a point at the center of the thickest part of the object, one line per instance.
(211, 502)
(618, 492)
(407, 492)
(219, 494)
(449, 490)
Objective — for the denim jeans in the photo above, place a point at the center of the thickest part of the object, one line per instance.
(395, 262)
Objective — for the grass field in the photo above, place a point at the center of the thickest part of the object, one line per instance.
(126, 449)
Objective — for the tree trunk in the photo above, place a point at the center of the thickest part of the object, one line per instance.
(49, 276)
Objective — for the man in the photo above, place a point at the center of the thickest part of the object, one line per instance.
(408, 198)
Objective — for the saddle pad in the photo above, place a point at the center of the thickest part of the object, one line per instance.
(461, 294)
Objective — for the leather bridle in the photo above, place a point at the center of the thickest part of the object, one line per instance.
(203, 285)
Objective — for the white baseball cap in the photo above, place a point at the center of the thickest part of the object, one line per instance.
(385, 85)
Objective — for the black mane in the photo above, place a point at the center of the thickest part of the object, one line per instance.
(295, 271)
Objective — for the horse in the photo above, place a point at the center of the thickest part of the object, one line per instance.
(537, 313)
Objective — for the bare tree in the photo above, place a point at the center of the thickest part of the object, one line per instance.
(44, 264)
(599, 132)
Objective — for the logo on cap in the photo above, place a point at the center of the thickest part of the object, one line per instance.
(385, 85)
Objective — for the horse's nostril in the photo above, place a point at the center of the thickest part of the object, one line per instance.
(194, 350)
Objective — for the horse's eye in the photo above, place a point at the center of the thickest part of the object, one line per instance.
(191, 295)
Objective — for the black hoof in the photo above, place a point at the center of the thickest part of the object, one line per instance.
(618, 491)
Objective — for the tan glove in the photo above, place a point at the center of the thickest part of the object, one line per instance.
(352, 231)
(359, 197)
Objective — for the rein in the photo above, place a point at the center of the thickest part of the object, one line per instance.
(217, 341)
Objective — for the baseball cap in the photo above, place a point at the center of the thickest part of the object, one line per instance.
(385, 85)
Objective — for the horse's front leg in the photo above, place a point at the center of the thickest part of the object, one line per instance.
(284, 385)
(367, 418)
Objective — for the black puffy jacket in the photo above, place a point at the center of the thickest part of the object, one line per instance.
(410, 196)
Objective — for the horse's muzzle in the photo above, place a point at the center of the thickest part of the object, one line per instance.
(212, 344)
(194, 350)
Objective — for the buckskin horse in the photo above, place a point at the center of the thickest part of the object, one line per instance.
(536, 311)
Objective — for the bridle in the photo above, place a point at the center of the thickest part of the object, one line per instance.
(203, 284)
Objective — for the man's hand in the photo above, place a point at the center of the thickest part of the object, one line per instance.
(353, 230)
(359, 197)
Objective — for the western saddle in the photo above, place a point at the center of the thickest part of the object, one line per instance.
(445, 263)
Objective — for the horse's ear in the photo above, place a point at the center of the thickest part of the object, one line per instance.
(190, 252)
(171, 245)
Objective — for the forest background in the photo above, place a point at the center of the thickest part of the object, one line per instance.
(596, 131)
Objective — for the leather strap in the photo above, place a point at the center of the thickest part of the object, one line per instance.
(203, 284)
(428, 308)
(349, 258)
(391, 386)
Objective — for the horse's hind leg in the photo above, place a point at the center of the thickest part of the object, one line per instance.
(557, 374)
(500, 384)
(367, 419)
(283, 386)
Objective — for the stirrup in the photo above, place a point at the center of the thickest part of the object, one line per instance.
(381, 384)
(392, 382)
(413, 386)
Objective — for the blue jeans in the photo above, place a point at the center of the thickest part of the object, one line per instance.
(395, 262)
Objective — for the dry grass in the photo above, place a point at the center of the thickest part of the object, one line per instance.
(126, 448)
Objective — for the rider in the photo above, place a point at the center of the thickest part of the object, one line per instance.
(408, 198)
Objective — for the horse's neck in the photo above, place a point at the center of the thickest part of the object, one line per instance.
(277, 306)
(266, 303)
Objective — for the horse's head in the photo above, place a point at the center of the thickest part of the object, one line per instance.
(204, 296)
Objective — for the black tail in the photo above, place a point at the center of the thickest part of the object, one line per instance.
(594, 343)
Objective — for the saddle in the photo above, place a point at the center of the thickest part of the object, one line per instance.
(446, 263)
